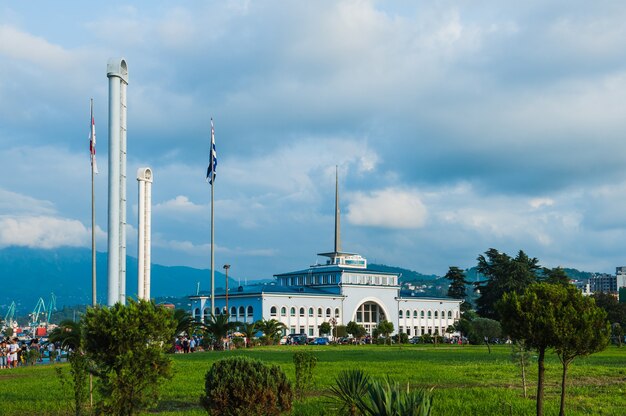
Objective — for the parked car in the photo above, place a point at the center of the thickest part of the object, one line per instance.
(321, 341)
(415, 340)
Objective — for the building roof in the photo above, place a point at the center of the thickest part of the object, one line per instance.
(260, 289)
(411, 294)
(324, 268)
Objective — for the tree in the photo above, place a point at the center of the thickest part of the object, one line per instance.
(521, 357)
(617, 332)
(271, 328)
(503, 274)
(185, 324)
(127, 344)
(616, 312)
(217, 329)
(325, 328)
(556, 276)
(70, 335)
(532, 317)
(581, 329)
(385, 328)
(249, 329)
(485, 329)
(458, 283)
(353, 329)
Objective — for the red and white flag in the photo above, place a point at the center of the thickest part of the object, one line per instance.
(92, 144)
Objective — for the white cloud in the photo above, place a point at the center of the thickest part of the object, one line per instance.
(44, 232)
(22, 46)
(181, 205)
(12, 203)
(390, 208)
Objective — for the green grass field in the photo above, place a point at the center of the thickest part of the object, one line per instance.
(467, 380)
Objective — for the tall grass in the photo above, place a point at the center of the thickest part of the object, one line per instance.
(467, 380)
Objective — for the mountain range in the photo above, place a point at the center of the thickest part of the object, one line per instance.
(29, 274)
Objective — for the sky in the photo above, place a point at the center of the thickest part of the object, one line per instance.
(455, 126)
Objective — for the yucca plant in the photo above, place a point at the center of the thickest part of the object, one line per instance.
(388, 398)
(358, 395)
(348, 391)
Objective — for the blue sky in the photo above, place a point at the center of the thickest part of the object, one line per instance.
(456, 127)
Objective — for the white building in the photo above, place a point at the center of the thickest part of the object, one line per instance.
(343, 289)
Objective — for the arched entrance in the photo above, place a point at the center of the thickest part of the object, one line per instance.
(369, 314)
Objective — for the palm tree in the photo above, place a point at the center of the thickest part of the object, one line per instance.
(68, 334)
(271, 328)
(218, 327)
(249, 330)
(185, 324)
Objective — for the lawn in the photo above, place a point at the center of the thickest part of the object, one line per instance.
(466, 380)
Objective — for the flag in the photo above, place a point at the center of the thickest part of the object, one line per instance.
(211, 170)
(92, 143)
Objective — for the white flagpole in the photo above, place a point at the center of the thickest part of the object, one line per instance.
(212, 247)
(212, 179)
(93, 216)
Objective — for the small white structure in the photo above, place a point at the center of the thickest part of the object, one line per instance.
(117, 72)
(144, 179)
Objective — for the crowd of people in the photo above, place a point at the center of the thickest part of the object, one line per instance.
(15, 352)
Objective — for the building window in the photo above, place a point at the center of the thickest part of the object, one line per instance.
(233, 312)
(292, 311)
(415, 313)
(242, 311)
(422, 314)
(207, 312)
(311, 312)
(311, 329)
(328, 312)
(449, 314)
(302, 330)
(292, 329)
(400, 330)
(283, 311)
(430, 315)
(250, 312)
(319, 312)
(408, 330)
(436, 314)
(336, 312)
(301, 311)
(408, 314)
(423, 330)
(400, 314)
(273, 311)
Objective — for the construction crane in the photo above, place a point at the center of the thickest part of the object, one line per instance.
(8, 318)
(39, 308)
(51, 305)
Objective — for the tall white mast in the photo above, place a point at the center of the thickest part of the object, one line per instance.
(117, 72)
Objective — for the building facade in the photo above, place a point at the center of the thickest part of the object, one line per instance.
(340, 290)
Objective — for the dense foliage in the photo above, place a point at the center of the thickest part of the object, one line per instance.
(127, 344)
(503, 274)
(355, 393)
(244, 386)
(554, 316)
(304, 362)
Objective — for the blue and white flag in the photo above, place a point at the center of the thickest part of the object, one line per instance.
(211, 170)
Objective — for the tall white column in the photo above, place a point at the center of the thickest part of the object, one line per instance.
(144, 179)
(117, 72)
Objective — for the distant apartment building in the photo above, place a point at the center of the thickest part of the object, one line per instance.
(604, 282)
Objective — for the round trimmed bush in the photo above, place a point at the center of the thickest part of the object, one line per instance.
(240, 385)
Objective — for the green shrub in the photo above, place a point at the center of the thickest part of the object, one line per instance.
(240, 385)
(305, 363)
(238, 342)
